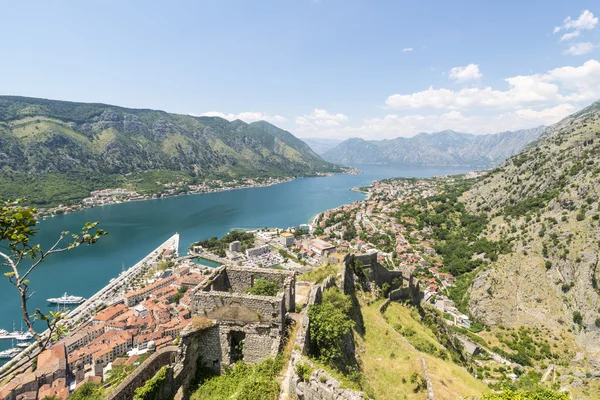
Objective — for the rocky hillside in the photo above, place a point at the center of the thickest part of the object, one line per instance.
(48, 136)
(547, 201)
(446, 148)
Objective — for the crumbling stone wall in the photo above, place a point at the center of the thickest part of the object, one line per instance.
(224, 306)
(247, 327)
(164, 356)
(404, 285)
(238, 280)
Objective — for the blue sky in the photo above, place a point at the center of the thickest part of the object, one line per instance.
(327, 68)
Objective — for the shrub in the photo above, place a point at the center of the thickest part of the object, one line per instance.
(88, 391)
(264, 287)
(577, 317)
(304, 371)
(329, 323)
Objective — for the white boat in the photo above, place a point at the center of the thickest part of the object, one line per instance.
(9, 353)
(66, 299)
(23, 344)
(23, 335)
(3, 332)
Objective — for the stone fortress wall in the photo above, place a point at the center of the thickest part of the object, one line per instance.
(249, 327)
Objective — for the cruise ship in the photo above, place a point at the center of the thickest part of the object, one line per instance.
(66, 299)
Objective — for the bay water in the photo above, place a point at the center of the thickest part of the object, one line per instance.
(135, 229)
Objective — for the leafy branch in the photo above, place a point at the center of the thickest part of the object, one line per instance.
(17, 223)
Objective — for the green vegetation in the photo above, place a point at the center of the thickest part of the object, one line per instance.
(457, 232)
(525, 347)
(244, 381)
(264, 287)
(152, 386)
(321, 272)
(88, 391)
(304, 371)
(218, 246)
(180, 292)
(329, 324)
(388, 360)
(544, 394)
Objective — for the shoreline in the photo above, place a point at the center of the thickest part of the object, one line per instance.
(80, 207)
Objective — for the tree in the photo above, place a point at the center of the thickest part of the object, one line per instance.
(264, 287)
(329, 324)
(17, 228)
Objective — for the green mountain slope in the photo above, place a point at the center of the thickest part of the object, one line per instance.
(98, 142)
(547, 201)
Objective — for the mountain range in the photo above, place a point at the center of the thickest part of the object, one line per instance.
(446, 148)
(85, 146)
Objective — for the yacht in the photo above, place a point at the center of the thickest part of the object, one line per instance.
(66, 299)
(9, 353)
(23, 344)
(23, 335)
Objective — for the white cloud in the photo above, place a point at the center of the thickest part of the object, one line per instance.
(573, 28)
(248, 116)
(585, 21)
(394, 125)
(466, 73)
(578, 49)
(321, 118)
(407, 49)
(526, 101)
(560, 85)
(570, 35)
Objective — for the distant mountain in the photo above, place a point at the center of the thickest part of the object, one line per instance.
(320, 146)
(446, 148)
(98, 142)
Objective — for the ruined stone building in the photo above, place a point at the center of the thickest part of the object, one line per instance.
(245, 327)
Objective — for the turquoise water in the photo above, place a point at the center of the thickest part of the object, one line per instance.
(137, 228)
(206, 262)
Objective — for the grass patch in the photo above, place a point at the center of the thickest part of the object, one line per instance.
(388, 361)
(318, 274)
(244, 381)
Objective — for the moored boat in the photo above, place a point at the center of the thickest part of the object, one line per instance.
(66, 299)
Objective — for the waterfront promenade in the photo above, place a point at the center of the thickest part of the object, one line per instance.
(112, 293)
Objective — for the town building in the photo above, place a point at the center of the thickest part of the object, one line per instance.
(287, 239)
(235, 246)
(257, 251)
